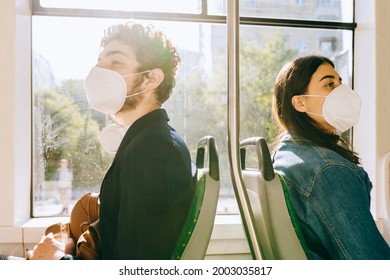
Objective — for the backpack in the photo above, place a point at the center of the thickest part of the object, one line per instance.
(83, 227)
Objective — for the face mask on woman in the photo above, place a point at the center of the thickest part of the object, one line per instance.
(106, 90)
(341, 108)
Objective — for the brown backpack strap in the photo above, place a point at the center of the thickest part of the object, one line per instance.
(85, 211)
(88, 245)
(94, 206)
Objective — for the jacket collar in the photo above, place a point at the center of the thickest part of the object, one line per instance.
(139, 124)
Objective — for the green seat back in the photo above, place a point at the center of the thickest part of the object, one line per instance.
(191, 220)
(199, 223)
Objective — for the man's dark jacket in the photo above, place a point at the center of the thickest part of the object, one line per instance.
(146, 192)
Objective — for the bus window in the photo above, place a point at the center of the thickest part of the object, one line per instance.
(65, 47)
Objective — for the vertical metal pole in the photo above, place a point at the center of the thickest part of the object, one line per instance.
(234, 126)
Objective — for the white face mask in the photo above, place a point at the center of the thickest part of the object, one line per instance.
(106, 90)
(341, 108)
(111, 137)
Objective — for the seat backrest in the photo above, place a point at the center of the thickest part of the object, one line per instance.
(275, 223)
(199, 223)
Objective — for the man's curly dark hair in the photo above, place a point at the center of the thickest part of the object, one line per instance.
(152, 50)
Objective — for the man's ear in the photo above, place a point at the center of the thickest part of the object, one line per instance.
(155, 77)
(299, 103)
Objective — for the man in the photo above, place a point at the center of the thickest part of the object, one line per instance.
(146, 192)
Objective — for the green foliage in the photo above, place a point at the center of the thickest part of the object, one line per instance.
(259, 66)
(63, 130)
(203, 92)
(65, 127)
(75, 90)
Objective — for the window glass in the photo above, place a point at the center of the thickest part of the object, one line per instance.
(263, 52)
(65, 49)
(323, 10)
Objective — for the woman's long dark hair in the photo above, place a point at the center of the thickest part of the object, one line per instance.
(293, 80)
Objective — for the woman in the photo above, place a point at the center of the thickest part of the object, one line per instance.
(330, 191)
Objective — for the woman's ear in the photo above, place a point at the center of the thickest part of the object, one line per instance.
(155, 77)
(299, 103)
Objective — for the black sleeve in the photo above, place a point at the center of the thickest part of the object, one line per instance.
(10, 258)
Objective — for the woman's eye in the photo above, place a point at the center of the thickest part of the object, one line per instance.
(115, 62)
(330, 85)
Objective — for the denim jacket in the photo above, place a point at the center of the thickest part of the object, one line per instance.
(331, 198)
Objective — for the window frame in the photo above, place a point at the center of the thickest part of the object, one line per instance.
(202, 17)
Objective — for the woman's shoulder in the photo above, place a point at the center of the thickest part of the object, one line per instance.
(301, 157)
(294, 152)
(306, 157)
(302, 164)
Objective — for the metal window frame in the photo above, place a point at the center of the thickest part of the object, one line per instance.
(203, 17)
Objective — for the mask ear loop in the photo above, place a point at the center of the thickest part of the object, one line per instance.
(314, 114)
(134, 74)
(136, 93)
(309, 95)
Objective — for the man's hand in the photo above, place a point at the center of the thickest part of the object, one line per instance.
(47, 249)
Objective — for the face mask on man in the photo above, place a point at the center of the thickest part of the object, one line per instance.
(106, 90)
(341, 108)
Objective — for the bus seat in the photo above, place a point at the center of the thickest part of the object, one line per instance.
(199, 223)
(276, 227)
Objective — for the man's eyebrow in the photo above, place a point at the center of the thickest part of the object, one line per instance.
(113, 52)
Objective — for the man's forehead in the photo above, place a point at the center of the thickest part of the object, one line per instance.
(116, 47)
